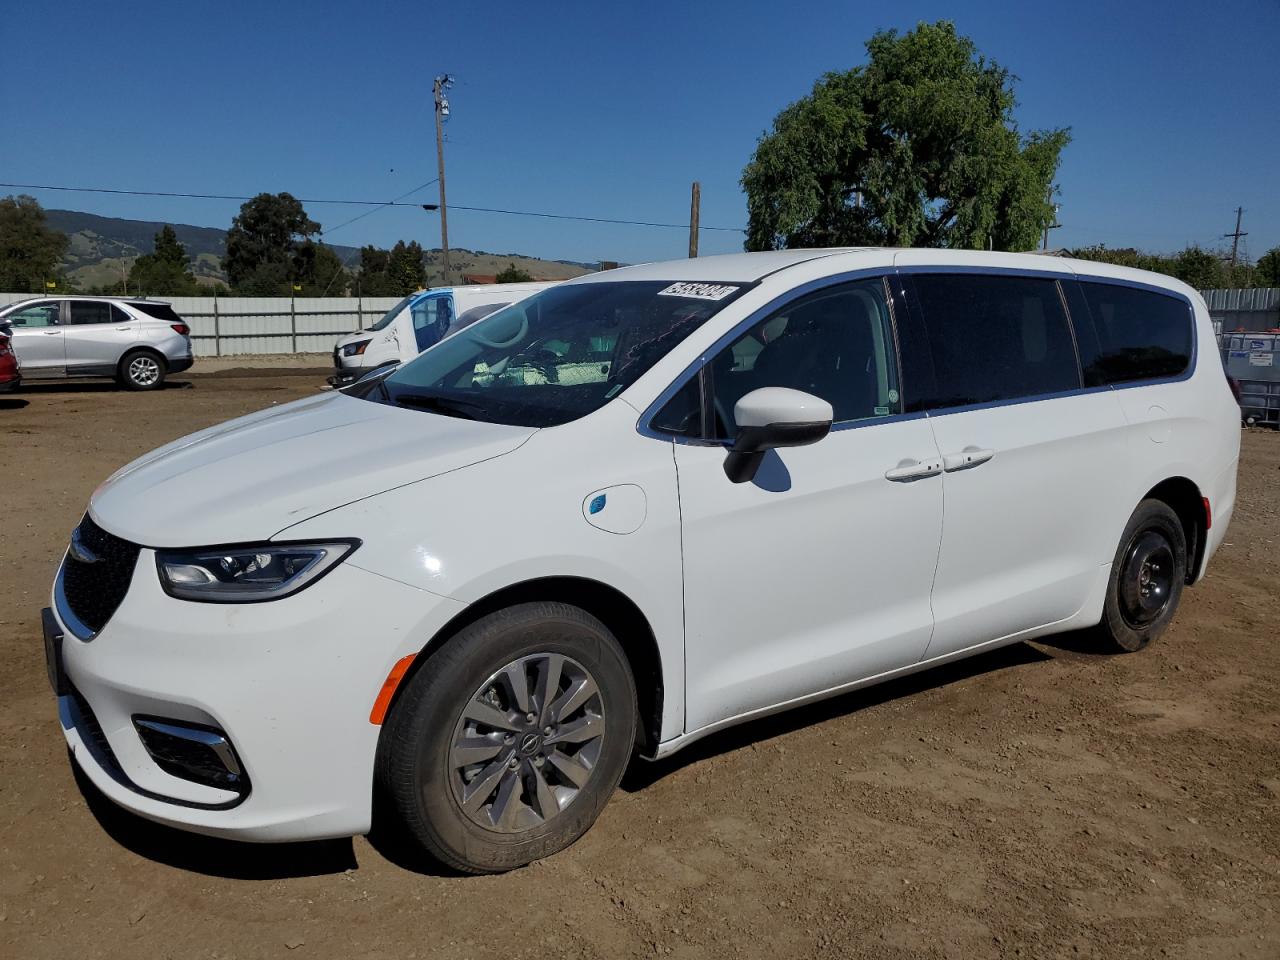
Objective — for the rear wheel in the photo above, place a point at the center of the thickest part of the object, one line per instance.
(141, 370)
(1147, 577)
(507, 744)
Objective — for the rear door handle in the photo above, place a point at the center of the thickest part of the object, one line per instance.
(52, 333)
(966, 459)
(124, 329)
(908, 470)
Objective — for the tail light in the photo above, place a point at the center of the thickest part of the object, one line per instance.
(1234, 384)
(181, 328)
(5, 349)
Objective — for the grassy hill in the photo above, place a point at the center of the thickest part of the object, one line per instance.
(103, 248)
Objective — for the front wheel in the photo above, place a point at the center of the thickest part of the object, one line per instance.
(141, 370)
(507, 744)
(1147, 576)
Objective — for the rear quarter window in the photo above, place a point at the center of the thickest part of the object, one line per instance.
(1128, 334)
(161, 311)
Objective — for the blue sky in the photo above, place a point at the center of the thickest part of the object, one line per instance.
(610, 110)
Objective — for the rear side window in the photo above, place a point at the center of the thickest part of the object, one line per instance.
(161, 311)
(89, 311)
(1130, 334)
(995, 338)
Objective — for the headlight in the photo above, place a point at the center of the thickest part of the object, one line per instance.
(355, 349)
(248, 574)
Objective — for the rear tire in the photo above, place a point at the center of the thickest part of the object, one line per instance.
(487, 771)
(1147, 576)
(141, 370)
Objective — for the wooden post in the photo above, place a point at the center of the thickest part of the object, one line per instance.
(695, 201)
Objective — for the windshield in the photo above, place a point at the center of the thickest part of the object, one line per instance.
(556, 356)
(392, 313)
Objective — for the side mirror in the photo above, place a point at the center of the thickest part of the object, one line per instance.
(773, 417)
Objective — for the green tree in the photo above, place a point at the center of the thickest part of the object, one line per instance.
(319, 271)
(1199, 268)
(918, 147)
(166, 270)
(264, 242)
(392, 273)
(30, 250)
(514, 274)
(1266, 272)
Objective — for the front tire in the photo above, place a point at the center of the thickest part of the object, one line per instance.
(507, 744)
(141, 370)
(1147, 576)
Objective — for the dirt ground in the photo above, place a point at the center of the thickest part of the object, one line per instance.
(1041, 801)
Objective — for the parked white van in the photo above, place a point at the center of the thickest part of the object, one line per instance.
(419, 321)
(626, 512)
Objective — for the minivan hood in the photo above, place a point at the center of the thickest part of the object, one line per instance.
(248, 479)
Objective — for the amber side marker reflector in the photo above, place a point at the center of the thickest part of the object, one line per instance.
(379, 711)
(1208, 515)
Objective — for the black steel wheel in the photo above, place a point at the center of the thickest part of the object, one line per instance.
(1147, 576)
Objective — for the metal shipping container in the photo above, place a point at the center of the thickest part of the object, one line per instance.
(1253, 359)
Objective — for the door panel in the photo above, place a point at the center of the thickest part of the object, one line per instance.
(38, 340)
(818, 572)
(1027, 530)
(97, 336)
(1031, 460)
(819, 581)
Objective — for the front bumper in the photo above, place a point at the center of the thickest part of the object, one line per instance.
(290, 683)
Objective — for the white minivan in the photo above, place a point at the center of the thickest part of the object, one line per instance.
(626, 512)
(419, 321)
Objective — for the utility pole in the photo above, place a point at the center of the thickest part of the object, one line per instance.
(695, 204)
(1235, 238)
(442, 85)
(1044, 244)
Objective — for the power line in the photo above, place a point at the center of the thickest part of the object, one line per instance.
(565, 216)
(372, 203)
(389, 203)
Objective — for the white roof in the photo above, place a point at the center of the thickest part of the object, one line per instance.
(732, 267)
(749, 267)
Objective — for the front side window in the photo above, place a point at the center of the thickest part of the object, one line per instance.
(89, 311)
(36, 315)
(431, 318)
(995, 338)
(556, 356)
(1132, 334)
(836, 344)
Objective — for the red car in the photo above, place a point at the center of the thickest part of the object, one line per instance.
(10, 372)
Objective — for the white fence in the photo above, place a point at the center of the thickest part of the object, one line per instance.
(226, 326)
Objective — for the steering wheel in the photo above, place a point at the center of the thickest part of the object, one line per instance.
(480, 338)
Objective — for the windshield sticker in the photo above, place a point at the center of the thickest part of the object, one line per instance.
(699, 291)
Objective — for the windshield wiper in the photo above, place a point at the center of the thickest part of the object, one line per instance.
(448, 406)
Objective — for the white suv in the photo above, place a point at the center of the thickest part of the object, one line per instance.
(136, 342)
(628, 511)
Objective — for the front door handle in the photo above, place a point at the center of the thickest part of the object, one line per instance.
(52, 333)
(908, 470)
(124, 329)
(966, 459)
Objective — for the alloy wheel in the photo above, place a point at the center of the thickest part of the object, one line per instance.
(144, 371)
(527, 742)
